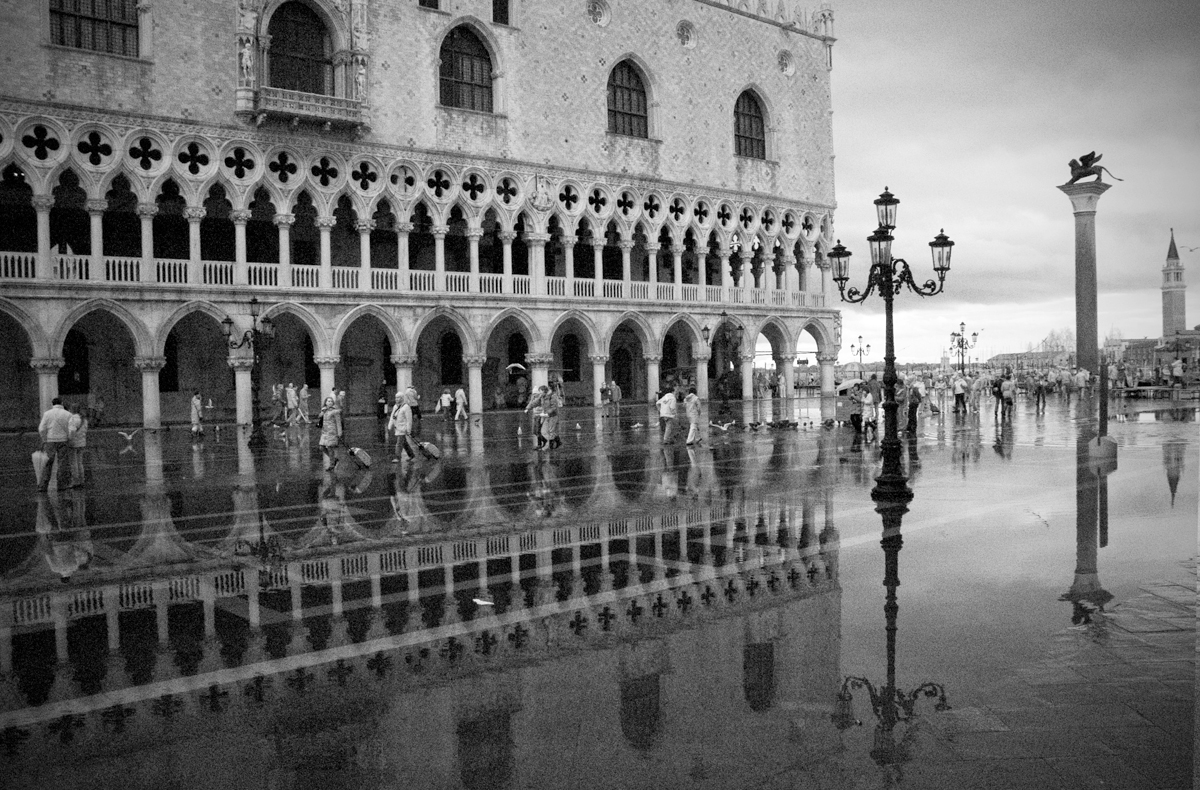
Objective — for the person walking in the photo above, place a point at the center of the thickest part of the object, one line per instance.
(1008, 394)
(668, 414)
(400, 425)
(446, 404)
(916, 396)
(460, 404)
(330, 423)
(856, 407)
(197, 416)
(614, 393)
(414, 404)
(302, 404)
(77, 442)
(292, 402)
(537, 408)
(691, 407)
(278, 406)
(552, 404)
(55, 432)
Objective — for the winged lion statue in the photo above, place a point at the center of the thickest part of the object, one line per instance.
(1086, 166)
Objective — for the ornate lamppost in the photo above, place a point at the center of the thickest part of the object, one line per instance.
(860, 350)
(960, 345)
(252, 337)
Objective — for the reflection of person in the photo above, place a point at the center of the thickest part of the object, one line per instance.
(537, 407)
(552, 403)
(302, 405)
(55, 431)
(330, 423)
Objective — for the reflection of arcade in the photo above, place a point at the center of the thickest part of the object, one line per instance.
(347, 646)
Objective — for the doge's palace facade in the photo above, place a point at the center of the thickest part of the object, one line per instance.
(424, 191)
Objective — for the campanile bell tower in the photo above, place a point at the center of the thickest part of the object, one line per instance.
(1173, 292)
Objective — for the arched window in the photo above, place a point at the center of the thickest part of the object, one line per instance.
(466, 72)
(301, 50)
(749, 129)
(627, 112)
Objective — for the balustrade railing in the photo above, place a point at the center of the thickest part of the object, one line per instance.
(522, 284)
(491, 283)
(217, 272)
(665, 292)
(714, 293)
(639, 290)
(173, 271)
(556, 286)
(421, 281)
(263, 275)
(122, 270)
(345, 277)
(385, 279)
(18, 265)
(613, 289)
(458, 282)
(306, 276)
(690, 293)
(586, 288)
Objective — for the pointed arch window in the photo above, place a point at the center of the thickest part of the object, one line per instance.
(749, 127)
(466, 72)
(627, 106)
(301, 50)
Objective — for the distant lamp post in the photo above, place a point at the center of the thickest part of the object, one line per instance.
(860, 351)
(960, 345)
(888, 275)
(734, 332)
(253, 338)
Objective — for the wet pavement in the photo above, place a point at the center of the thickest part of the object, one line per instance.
(613, 613)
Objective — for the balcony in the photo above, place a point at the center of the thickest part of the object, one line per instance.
(295, 105)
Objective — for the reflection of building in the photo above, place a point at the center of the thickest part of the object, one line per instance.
(357, 660)
(417, 191)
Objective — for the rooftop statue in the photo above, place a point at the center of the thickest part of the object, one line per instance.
(1086, 166)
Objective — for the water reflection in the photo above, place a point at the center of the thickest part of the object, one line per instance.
(425, 621)
(1093, 465)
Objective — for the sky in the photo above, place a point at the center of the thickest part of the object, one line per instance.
(969, 113)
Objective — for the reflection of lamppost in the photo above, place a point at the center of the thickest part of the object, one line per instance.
(960, 345)
(860, 351)
(889, 274)
(268, 552)
(252, 337)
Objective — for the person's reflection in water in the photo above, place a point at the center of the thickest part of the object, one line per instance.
(1003, 445)
(69, 545)
(668, 484)
(693, 475)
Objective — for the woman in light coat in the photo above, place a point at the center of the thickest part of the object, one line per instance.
(330, 423)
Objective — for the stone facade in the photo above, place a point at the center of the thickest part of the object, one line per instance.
(177, 184)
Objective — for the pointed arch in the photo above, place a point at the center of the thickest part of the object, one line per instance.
(33, 329)
(642, 329)
(457, 319)
(773, 324)
(819, 332)
(593, 332)
(532, 333)
(390, 325)
(688, 320)
(143, 341)
(181, 312)
(316, 329)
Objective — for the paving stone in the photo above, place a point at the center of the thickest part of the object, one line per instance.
(1097, 772)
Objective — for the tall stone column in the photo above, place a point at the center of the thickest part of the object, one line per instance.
(1084, 199)
(364, 228)
(284, 222)
(506, 239)
(652, 372)
(767, 277)
(151, 402)
(404, 369)
(194, 215)
(95, 210)
(723, 253)
(243, 392)
(45, 256)
(677, 268)
(324, 227)
(475, 363)
(146, 213)
(828, 390)
(808, 258)
(824, 267)
(790, 283)
(47, 372)
(783, 366)
(536, 244)
(652, 267)
(241, 273)
(402, 258)
(439, 257)
(747, 359)
(327, 366)
(702, 374)
(598, 265)
(626, 246)
(568, 248)
(745, 262)
(473, 237)
(598, 376)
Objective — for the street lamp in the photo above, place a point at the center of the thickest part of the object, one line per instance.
(888, 275)
(252, 337)
(960, 345)
(860, 351)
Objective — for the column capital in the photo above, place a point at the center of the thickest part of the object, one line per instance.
(439, 231)
(282, 220)
(404, 227)
(194, 213)
(539, 359)
(598, 359)
(537, 239)
(327, 362)
(826, 359)
(325, 223)
(746, 357)
(655, 358)
(96, 206)
(808, 255)
(476, 360)
(404, 360)
(474, 233)
(567, 241)
(150, 364)
(147, 210)
(47, 364)
(788, 257)
(626, 244)
(42, 203)
(1085, 197)
(745, 252)
(364, 225)
(599, 244)
(652, 246)
(678, 249)
(506, 236)
(702, 357)
(782, 361)
(240, 363)
(240, 216)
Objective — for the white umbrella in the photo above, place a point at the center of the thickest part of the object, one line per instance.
(847, 384)
(515, 366)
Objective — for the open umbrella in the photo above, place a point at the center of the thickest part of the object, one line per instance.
(847, 384)
(515, 366)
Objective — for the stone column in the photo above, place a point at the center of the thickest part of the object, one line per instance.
(473, 237)
(402, 231)
(702, 358)
(783, 366)
(95, 210)
(767, 277)
(539, 373)
(364, 228)
(241, 274)
(652, 267)
(45, 256)
(536, 244)
(327, 366)
(789, 271)
(652, 383)
(506, 239)
(193, 215)
(151, 402)
(404, 368)
(242, 366)
(324, 226)
(439, 257)
(745, 261)
(475, 364)
(598, 265)
(726, 275)
(747, 359)
(598, 376)
(1084, 199)
(146, 213)
(807, 260)
(626, 246)
(828, 390)
(568, 247)
(47, 372)
(824, 267)
(284, 222)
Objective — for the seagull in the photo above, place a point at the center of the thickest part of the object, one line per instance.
(578, 427)
(519, 430)
(482, 602)
(722, 428)
(129, 436)
(209, 406)
(636, 425)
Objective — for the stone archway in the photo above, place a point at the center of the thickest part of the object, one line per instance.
(99, 352)
(440, 363)
(508, 371)
(19, 395)
(196, 357)
(365, 368)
